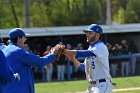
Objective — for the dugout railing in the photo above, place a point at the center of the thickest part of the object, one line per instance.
(132, 68)
(132, 58)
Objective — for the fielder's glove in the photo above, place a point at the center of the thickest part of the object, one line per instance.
(60, 52)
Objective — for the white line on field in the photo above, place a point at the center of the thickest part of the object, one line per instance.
(126, 89)
(117, 90)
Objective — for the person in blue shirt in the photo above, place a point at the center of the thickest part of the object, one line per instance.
(21, 61)
(6, 73)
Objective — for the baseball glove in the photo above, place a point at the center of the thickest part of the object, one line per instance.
(60, 52)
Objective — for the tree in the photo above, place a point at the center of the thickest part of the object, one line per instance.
(14, 13)
(27, 13)
(67, 12)
(130, 15)
(120, 16)
(102, 11)
(108, 13)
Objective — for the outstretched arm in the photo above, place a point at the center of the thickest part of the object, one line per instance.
(31, 59)
(79, 65)
(81, 53)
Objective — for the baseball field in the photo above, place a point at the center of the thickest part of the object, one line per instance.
(124, 85)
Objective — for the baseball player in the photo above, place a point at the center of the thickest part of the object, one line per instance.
(22, 60)
(6, 73)
(96, 64)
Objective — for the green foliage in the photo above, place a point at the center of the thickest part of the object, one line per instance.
(72, 13)
(130, 14)
(61, 87)
(58, 13)
(136, 8)
(119, 17)
(5, 16)
(38, 15)
(68, 12)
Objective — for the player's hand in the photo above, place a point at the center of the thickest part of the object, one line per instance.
(60, 52)
(70, 56)
(55, 49)
(17, 76)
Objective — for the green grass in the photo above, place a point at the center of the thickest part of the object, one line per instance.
(81, 85)
(61, 87)
(127, 82)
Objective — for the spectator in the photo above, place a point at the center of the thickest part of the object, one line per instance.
(125, 62)
(115, 51)
(38, 50)
(60, 66)
(49, 71)
(27, 47)
(132, 49)
(69, 47)
(49, 67)
(111, 61)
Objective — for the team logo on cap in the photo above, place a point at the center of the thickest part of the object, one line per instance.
(97, 29)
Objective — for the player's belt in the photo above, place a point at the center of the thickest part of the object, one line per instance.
(100, 80)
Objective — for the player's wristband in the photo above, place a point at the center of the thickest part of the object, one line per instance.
(84, 53)
(82, 67)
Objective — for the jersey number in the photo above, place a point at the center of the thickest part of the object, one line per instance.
(93, 65)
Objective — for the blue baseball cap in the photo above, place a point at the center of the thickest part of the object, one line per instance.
(16, 32)
(94, 28)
